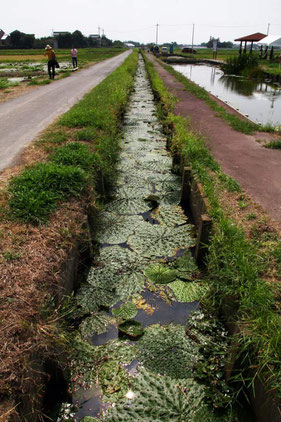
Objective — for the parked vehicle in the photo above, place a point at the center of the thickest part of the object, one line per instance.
(164, 51)
(188, 50)
(155, 49)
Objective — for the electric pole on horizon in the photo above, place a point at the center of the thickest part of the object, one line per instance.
(268, 25)
(192, 38)
(157, 33)
(99, 29)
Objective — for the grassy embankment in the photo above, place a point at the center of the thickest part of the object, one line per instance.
(43, 214)
(20, 61)
(244, 261)
(237, 123)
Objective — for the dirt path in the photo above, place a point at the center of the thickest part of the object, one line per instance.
(257, 169)
(22, 118)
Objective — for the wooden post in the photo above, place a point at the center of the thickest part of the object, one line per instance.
(251, 49)
(240, 49)
(185, 188)
(204, 234)
(245, 48)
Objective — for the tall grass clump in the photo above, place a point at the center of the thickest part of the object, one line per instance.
(74, 154)
(274, 144)
(239, 65)
(237, 266)
(34, 194)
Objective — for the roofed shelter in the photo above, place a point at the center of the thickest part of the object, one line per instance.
(258, 36)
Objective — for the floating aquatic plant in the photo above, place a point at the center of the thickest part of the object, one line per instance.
(115, 229)
(167, 351)
(113, 380)
(160, 274)
(170, 215)
(131, 328)
(156, 241)
(128, 206)
(163, 399)
(125, 312)
(97, 323)
(92, 298)
(187, 291)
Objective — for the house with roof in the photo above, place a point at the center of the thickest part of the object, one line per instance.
(4, 38)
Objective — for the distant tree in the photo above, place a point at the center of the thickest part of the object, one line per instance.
(64, 40)
(117, 43)
(42, 42)
(78, 39)
(105, 42)
(224, 44)
(21, 40)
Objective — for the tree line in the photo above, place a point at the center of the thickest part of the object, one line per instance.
(18, 39)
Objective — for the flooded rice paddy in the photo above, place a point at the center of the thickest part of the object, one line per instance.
(257, 100)
(146, 335)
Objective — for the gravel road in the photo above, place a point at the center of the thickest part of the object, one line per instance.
(24, 117)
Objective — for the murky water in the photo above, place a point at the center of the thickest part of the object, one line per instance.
(258, 100)
(141, 290)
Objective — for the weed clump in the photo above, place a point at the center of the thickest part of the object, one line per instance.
(274, 144)
(74, 154)
(87, 134)
(34, 193)
(238, 65)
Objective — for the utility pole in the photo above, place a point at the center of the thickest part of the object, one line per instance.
(157, 33)
(99, 29)
(268, 25)
(192, 37)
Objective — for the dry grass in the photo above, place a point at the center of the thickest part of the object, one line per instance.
(31, 260)
(30, 277)
(21, 57)
(15, 91)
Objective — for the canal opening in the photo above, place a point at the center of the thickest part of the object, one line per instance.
(147, 350)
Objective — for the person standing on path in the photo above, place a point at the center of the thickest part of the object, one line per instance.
(74, 57)
(51, 61)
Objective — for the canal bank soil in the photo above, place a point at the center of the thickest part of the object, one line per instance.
(241, 156)
(24, 117)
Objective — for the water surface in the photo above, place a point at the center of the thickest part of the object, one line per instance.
(260, 101)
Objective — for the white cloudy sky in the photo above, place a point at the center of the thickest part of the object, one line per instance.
(137, 19)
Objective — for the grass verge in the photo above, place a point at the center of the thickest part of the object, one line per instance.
(243, 266)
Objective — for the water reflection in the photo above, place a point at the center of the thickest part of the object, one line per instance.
(259, 100)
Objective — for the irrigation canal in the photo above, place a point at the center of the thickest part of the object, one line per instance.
(257, 100)
(147, 336)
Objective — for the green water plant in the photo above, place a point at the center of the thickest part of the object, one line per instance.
(126, 312)
(132, 328)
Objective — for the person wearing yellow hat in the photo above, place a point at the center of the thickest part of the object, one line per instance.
(49, 52)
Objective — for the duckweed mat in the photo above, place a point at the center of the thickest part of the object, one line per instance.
(138, 359)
